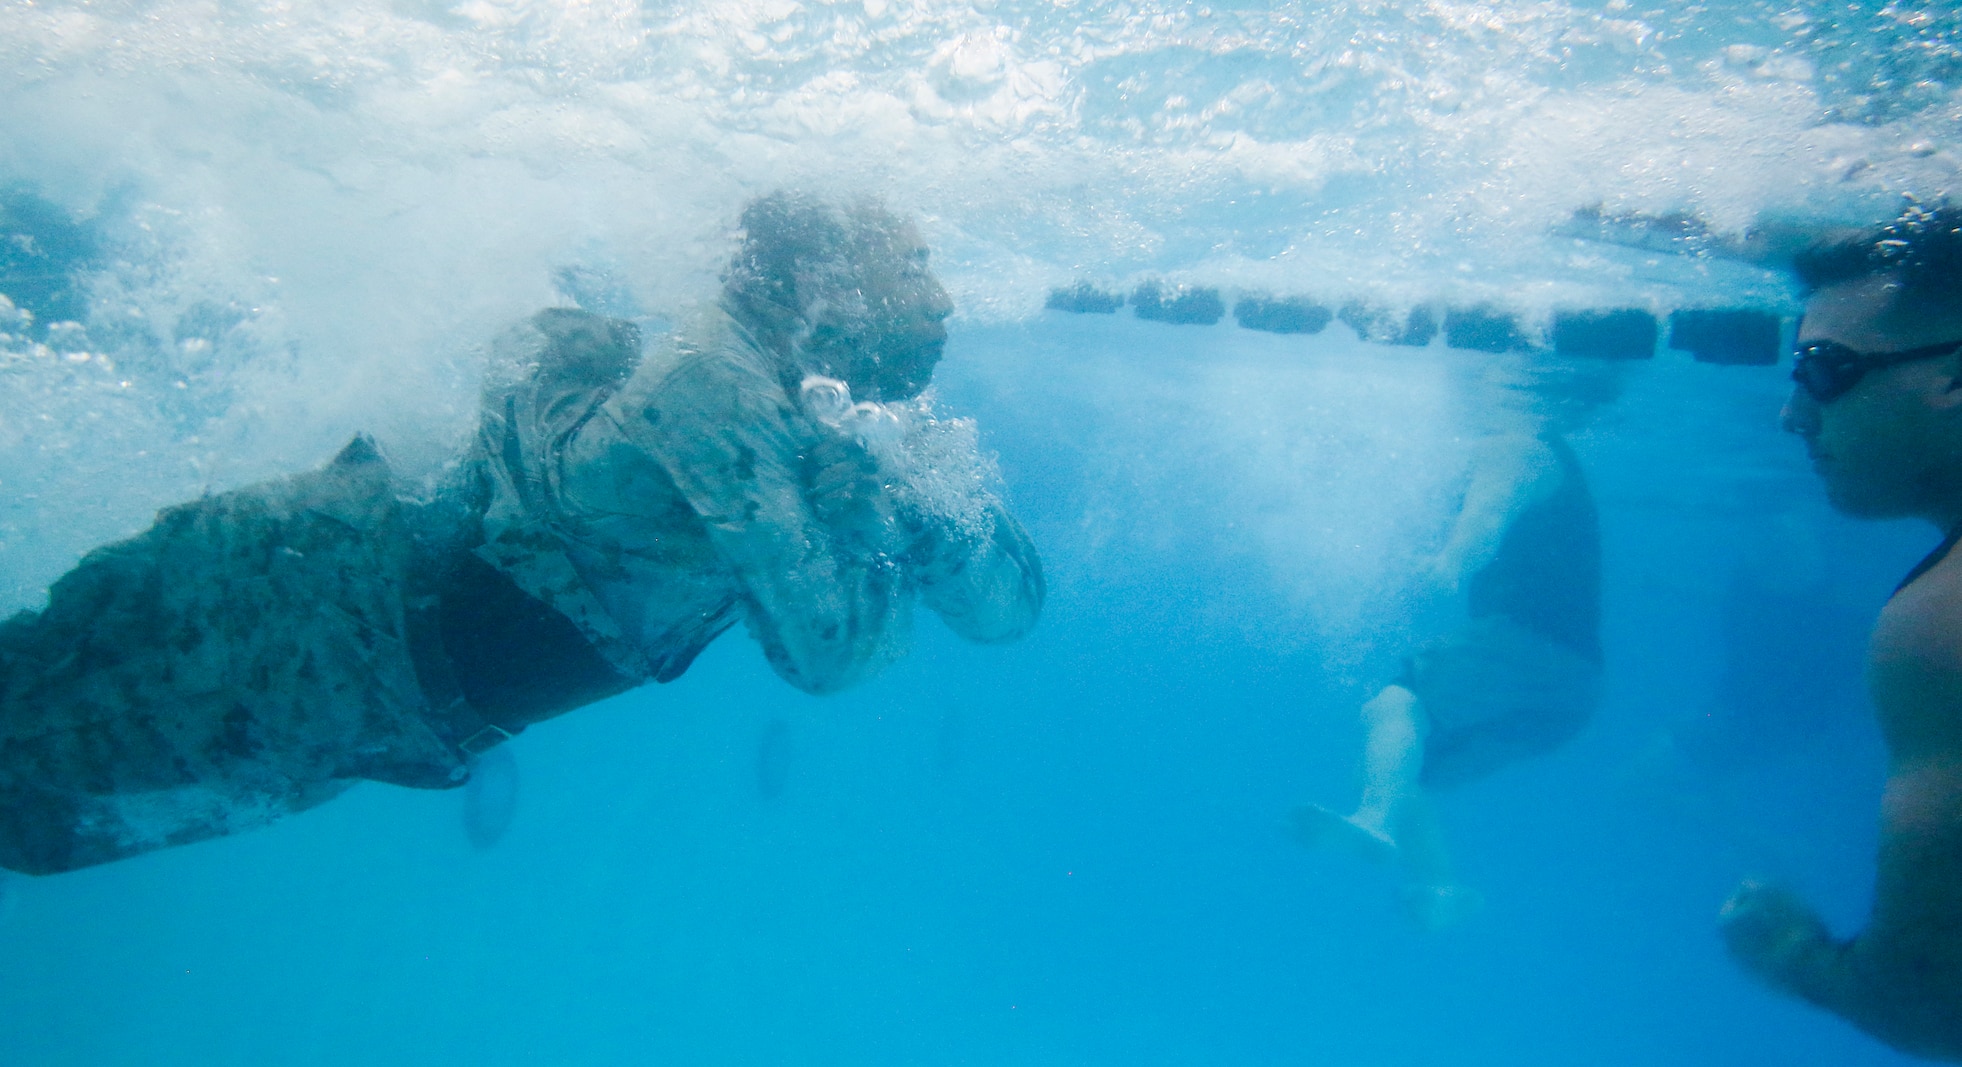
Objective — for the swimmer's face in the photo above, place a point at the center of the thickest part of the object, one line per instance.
(1888, 447)
(890, 327)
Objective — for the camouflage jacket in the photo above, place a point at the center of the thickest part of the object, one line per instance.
(656, 500)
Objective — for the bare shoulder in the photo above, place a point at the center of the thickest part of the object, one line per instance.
(1915, 664)
(707, 376)
(1923, 622)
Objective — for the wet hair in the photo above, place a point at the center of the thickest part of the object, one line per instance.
(822, 284)
(797, 249)
(1558, 395)
(1922, 249)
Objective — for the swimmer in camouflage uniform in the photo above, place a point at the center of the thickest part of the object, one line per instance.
(256, 652)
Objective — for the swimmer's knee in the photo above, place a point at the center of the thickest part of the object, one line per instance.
(1397, 712)
(1393, 705)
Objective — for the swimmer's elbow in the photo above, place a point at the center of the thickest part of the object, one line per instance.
(818, 672)
(1895, 993)
(1909, 1021)
(824, 651)
(990, 631)
(818, 685)
(1007, 616)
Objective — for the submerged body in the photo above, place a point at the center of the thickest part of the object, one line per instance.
(1520, 677)
(1884, 431)
(256, 652)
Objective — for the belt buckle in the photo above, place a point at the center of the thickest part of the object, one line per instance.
(484, 740)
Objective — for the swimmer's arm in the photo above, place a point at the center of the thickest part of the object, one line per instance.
(1783, 942)
(987, 590)
(1896, 977)
(1510, 473)
(725, 433)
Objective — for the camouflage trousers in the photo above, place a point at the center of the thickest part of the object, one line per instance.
(246, 657)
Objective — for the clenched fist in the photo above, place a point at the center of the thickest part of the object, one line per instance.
(1771, 931)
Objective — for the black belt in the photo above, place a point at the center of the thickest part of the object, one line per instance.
(493, 659)
(450, 715)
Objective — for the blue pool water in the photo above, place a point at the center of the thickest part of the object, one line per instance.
(282, 223)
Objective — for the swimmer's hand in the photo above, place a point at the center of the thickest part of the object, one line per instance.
(1772, 933)
(848, 494)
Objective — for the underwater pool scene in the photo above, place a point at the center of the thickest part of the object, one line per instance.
(1237, 290)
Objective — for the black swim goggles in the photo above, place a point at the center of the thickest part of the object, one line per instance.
(1828, 370)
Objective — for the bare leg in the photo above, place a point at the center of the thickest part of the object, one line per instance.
(1395, 822)
(1393, 757)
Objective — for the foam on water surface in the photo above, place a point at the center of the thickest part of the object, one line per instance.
(380, 183)
(1418, 146)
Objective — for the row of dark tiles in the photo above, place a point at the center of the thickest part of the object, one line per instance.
(1728, 336)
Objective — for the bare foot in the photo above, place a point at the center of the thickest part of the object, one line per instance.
(1438, 907)
(1317, 827)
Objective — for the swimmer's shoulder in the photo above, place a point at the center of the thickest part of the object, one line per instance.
(1915, 661)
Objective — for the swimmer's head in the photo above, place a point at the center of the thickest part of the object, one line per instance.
(1546, 393)
(843, 289)
(1884, 435)
(1919, 253)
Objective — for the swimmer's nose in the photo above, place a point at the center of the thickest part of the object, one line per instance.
(939, 304)
(1800, 415)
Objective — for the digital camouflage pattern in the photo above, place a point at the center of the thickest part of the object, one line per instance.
(244, 658)
(256, 652)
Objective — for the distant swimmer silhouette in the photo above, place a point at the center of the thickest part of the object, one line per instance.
(1878, 402)
(256, 652)
(1522, 674)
